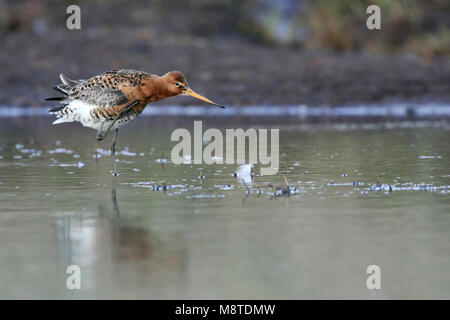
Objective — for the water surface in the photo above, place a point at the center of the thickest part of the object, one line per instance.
(167, 232)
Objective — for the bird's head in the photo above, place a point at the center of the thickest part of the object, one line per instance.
(177, 85)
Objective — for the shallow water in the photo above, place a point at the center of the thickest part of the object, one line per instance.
(213, 237)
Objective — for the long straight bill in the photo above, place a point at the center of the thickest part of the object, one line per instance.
(194, 94)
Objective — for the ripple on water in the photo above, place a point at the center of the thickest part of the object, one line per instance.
(430, 157)
(79, 164)
(60, 150)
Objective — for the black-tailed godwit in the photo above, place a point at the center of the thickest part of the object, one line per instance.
(112, 99)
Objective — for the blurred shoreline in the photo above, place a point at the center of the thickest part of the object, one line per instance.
(219, 60)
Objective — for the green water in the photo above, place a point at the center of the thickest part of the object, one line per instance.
(213, 238)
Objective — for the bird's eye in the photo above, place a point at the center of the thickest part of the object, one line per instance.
(177, 84)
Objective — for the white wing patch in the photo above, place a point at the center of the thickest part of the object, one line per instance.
(79, 111)
(61, 120)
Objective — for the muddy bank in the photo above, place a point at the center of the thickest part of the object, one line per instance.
(216, 61)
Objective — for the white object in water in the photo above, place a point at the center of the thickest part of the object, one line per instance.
(244, 174)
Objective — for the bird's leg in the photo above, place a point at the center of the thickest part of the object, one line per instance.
(113, 151)
(119, 114)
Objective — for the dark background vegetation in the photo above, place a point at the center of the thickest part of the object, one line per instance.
(237, 52)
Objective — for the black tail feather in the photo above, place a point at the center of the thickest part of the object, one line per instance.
(56, 109)
(55, 99)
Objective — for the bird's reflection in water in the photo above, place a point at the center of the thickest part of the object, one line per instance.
(110, 248)
(94, 240)
(132, 243)
(114, 198)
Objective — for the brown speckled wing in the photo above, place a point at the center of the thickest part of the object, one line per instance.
(107, 89)
(98, 96)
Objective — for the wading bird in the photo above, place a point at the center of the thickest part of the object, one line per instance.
(112, 99)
